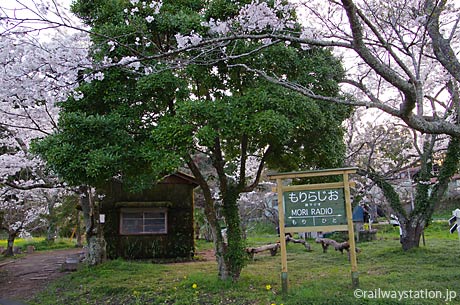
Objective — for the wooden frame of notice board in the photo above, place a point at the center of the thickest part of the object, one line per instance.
(315, 207)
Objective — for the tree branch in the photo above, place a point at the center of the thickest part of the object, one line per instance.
(31, 187)
(441, 46)
(420, 123)
(260, 169)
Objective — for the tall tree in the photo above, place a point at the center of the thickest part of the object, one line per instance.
(35, 74)
(160, 121)
(21, 214)
(412, 171)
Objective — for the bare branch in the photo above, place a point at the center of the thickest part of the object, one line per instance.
(441, 46)
(256, 181)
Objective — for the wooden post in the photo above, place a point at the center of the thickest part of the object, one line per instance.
(284, 269)
(351, 234)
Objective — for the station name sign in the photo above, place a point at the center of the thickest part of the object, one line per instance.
(314, 208)
(324, 207)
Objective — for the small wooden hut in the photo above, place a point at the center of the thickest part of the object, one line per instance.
(155, 223)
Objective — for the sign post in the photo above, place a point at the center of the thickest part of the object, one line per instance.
(315, 207)
(284, 270)
(351, 233)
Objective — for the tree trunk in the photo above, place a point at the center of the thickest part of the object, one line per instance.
(78, 230)
(94, 237)
(220, 249)
(211, 216)
(51, 233)
(9, 248)
(235, 256)
(51, 230)
(411, 231)
(219, 244)
(231, 256)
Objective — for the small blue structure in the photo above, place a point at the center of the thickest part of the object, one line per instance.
(358, 214)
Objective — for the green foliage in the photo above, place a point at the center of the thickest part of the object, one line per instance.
(221, 9)
(265, 115)
(107, 132)
(448, 169)
(79, 156)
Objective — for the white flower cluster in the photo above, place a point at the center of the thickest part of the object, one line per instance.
(217, 27)
(184, 41)
(23, 211)
(112, 45)
(137, 6)
(130, 61)
(257, 17)
(428, 182)
(35, 75)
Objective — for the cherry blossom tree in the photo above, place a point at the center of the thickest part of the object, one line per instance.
(35, 75)
(21, 214)
(411, 170)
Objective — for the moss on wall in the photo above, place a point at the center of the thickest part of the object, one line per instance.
(179, 240)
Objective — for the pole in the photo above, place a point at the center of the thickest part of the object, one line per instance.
(284, 270)
(351, 233)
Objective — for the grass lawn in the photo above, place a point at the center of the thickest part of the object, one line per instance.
(40, 243)
(315, 277)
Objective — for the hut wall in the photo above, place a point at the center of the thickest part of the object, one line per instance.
(177, 199)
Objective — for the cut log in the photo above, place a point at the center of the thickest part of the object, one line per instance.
(326, 242)
(299, 241)
(273, 248)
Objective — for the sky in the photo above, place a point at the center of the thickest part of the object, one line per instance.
(34, 10)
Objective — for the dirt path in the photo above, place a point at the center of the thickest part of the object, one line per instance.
(22, 278)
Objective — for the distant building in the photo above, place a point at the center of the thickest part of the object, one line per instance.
(155, 223)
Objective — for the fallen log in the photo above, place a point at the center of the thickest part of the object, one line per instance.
(299, 241)
(326, 242)
(273, 248)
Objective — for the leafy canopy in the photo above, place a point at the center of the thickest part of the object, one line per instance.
(143, 125)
